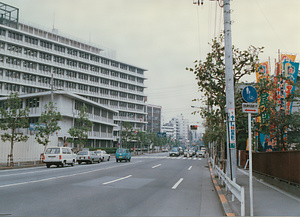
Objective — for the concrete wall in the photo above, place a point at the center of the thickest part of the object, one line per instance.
(24, 151)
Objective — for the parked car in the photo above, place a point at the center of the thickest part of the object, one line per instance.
(200, 154)
(123, 154)
(174, 152)
(87, 157)
(103, 155)
(59, 156)
(191, 152)
(185, 153)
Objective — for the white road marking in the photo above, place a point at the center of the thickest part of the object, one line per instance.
(178, 183)
(156, 166)
(116, 180)
(190, 168)
(59, 177)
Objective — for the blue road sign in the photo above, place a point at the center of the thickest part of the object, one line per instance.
(249, 94)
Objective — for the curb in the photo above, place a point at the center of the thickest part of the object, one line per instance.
(225, 204)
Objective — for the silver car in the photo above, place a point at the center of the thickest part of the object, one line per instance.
(88, 157)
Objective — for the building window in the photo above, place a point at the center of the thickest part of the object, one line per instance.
(82, 87)
(131, 87)
(72, 51)
(12, 74)
(94, 78)
(114, 64)
(14, 61)
(45, 56)
(132, 69)
(131, 78)
(114, 83)
(30, 52)
(95, 58)
(29, 77)
(123, 66)
(113, 103)
(104, 102)
(131, 96)
(140, 80)
(15, 35)
(12, 87)
(139, 71)
(95, 68)
(94, 89)
(140, 98)
(2, 32)
(123, 104)
(83, 76)
(83, 66)
(14, 48)
(31, 40)
(44, 68)
(105, 61)
(123, 95)
(123, 85)
(123, 76)
(33, 102)
(140, 89)
(104, 81)
(105, 71)
(58, 83)
(59, 48)
(30, 65)
(84, 55)
(59, 59)
(72, 63)
(113, 93)
(44, 80)
(58, 71)
(71, 85)
(71, 74)
(46, 44)
(104, 91)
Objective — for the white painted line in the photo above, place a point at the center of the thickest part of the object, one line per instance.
(116, 180)
(184, 158)
(156, 166)
(59, 177)
(176, 185)
(194, 158)
(190, 168)
(200, 159)
(273, 187)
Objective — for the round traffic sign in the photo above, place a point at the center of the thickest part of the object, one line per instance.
(249, 94)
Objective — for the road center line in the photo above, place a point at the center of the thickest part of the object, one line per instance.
(190, 167)
(116, 180)
(156, 166)
(176, 185)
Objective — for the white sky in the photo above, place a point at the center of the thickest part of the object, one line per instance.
(166, 36)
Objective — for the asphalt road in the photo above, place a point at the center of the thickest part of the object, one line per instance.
(149, 185)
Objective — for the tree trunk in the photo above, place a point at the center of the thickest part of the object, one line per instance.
(11, 160)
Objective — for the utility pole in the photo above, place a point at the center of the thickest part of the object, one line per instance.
(230, 104)
(229, 82)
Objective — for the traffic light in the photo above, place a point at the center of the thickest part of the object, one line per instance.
(193, 127)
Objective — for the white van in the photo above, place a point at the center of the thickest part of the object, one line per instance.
(59, 156)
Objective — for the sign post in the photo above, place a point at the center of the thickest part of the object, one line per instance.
(250, 96)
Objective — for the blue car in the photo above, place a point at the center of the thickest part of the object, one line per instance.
(123, 154)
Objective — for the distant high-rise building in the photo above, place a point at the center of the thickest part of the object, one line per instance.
(153, 118)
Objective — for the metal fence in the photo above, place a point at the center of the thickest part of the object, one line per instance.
(284, 165)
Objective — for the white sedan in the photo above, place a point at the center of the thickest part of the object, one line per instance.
(103, 155)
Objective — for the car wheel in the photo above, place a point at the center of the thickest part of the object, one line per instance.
(79, 162)
(99, 161)
(129, 159)
(108, 158)
(117, 160)
(73, 163)
(63, 164)
(48, 165)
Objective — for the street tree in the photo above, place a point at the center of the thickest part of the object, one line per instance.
(79, 132)
(210, 76)
(13, 118)
(47, 124)
(127, 134)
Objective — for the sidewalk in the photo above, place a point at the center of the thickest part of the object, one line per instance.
(268, 200)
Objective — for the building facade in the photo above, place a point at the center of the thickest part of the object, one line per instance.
(34, 60)
(153, 118)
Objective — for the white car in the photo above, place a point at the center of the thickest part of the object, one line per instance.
(88, 157)
(103, 155)
(59, 156)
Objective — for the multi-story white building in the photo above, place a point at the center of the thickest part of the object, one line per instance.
(30, 57)
(170, 130)
(181, 126)
(153, 118)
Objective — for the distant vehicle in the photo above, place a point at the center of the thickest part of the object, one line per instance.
(174, 152)
(200, 154)
(203, 148)
(103, 155)
(123, 154)
(88, 157)
(186, 153)
(165, 150)
(59, 156)
(191, 153)
(181, 151)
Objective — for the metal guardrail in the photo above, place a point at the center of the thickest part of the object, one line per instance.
(233, 187)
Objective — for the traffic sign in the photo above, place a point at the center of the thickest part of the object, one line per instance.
(250, 107)
(249, 94)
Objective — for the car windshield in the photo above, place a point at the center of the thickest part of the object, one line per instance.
(83, 153)
(121, 151)
(174, 149)
(52, 151)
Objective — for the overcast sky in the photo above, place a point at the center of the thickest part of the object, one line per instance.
(166, 36)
